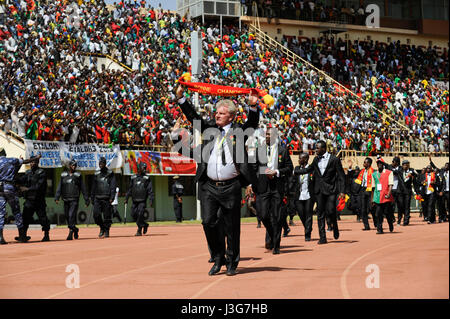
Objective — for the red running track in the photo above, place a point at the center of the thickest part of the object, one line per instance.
(170, 262)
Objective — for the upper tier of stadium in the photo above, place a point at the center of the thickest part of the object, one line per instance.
(48, 91)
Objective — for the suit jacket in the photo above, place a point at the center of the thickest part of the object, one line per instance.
(333, 179)
(295, 184)
(285, 168)
(398, 172)
(246, 171)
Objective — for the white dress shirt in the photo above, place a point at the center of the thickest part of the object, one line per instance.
(304, 183)
(323, 163)
(428, 184)
(446, 181)
(215, 170)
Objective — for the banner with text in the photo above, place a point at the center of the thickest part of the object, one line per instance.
(163, 163)
(58, 154)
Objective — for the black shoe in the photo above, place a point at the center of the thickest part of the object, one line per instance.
(139, 232)
(23, 238)
(215, 269)
(146, 228)
(231, 271)
(322, 241)
(268, 245)
(2, 240)
(106, 233)
(336, 233)
(329, 228)
(307, 238)
(276, 251)
(366, 228)
(70, 236)
(46, 236)
(440, 221)
(211, 260)
(75, 233)
(286, 232)
(358, 219)
(259, 225)
(291, 223)
(380, 232)
(391, 227)
(101, 234)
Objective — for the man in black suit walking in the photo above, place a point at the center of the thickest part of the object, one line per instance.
(304, 192)
(221, 174)
(271, 186)
(329, 183)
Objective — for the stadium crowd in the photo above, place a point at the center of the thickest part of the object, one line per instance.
(51, 88)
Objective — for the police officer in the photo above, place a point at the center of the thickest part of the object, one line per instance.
(8, 169)
(140, 190)
(103, 190)
(34, 187)
(69, 188)
(178, 191)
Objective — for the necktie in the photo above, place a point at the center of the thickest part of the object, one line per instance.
(222, 151)
(321, 157)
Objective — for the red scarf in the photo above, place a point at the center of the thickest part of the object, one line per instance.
(221, 90)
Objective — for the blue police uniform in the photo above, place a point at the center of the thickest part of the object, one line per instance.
(8, 170)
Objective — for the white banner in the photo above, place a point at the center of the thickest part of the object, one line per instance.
(58, 154)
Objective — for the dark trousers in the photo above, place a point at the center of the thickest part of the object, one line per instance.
(227, 224)
(429, 209)
(326, 207)
(305, 212)
(178, 210)
(382, 210)
(283, 215)
(13, 200)
(400, 203)
(269, 208)
(102, 213)
(446, 205)
(70, 212)
(137, 212)
(364, 201)
(442, 204)
(406, 198)
(35, 206)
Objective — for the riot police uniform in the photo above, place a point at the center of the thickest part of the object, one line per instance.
(177, 191)
(69, 188)
(35, 182)
(140, 189)
(103, 191)
(8, 194)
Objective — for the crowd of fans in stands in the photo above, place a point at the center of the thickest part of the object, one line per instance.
(51, 90)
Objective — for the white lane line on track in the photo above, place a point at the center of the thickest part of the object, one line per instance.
(344, 289)
(84, 260)
(126, 272)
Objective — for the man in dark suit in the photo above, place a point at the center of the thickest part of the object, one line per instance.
(398, 188)
(329, 186)
(271, 186)
(409, 177)
(442, 191)
(221, 173)
(303, 185)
